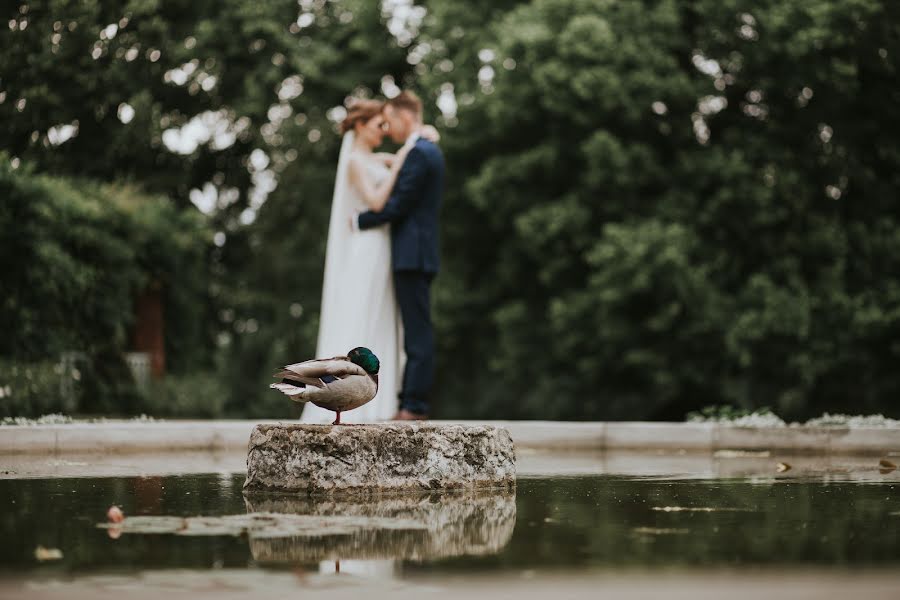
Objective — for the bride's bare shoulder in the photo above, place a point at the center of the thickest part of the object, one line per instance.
(368, 160)
(362, 158)
(358, 161)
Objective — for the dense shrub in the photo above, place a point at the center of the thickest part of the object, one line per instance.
(38, 388)
(201, 395)
(74, 255)
(655, 206)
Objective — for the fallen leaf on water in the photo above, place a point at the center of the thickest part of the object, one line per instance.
(782, 467)
(658, 530)
(741, 454)
(43, 554)
(261, 525)
(701, 509)
(115, 514)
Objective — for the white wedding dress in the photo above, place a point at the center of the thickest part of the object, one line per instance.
(358, 305)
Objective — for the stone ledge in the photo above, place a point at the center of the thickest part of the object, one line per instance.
(124, 437)
(127, 437)
(636, 435)
(374, 459)
(840, 440)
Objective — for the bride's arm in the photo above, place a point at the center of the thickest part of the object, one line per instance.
(375, 195)
(387, 158)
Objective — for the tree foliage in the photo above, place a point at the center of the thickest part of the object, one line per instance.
(74, 257)
(675, 204)
(652, 205)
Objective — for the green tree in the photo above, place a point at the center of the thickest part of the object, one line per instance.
(668, 204)
(224, 104)
(74, 256)
(652, 205)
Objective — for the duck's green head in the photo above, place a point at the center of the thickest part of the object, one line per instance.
(364, 358)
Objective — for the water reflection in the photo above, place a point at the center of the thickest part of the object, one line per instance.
(414, 527)
(576, 523)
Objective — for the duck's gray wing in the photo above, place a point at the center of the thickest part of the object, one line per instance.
(321, 371)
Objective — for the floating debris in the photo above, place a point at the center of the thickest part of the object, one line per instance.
(658, 531)
(43, 554)
(115, 514)
(742, 454)
(702, 509)
(782, 467)
(260, 525)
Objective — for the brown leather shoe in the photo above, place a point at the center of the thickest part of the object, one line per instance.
(406, 415)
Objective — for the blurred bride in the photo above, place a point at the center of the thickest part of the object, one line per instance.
(358, 304)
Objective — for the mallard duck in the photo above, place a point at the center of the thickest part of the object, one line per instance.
(340, 384)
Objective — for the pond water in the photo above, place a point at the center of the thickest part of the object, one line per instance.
(551, 523)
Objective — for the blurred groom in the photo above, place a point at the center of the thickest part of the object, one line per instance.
(412, 211)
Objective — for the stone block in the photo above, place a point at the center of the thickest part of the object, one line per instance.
(659, 436)
(796, 439)
(373, 459)
(865, 440)
(553, 435)
(38, 439)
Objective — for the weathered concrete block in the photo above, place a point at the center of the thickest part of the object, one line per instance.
(796, 439)
(659, 436)
(325, 459)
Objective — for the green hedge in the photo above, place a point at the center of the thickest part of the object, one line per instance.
(48, 387)
(74, 255)
(38, 388)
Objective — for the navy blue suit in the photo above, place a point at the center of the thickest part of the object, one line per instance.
(412, 210)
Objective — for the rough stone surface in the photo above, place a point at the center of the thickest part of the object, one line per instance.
(353, 459)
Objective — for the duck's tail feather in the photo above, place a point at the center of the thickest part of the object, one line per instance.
(296, 391)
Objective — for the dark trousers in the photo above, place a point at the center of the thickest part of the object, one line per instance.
(413, 290)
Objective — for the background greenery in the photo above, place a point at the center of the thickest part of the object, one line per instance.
(652, 206)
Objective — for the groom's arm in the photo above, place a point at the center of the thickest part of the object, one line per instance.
(404, 195)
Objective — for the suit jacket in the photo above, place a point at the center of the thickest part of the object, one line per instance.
(412, 210)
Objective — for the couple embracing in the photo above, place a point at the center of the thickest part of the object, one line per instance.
(382, 255)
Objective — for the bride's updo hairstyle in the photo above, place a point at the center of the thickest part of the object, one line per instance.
(360, 112)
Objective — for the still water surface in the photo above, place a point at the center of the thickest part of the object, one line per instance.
(583, 522)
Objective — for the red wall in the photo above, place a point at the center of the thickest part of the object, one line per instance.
(148, 328)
